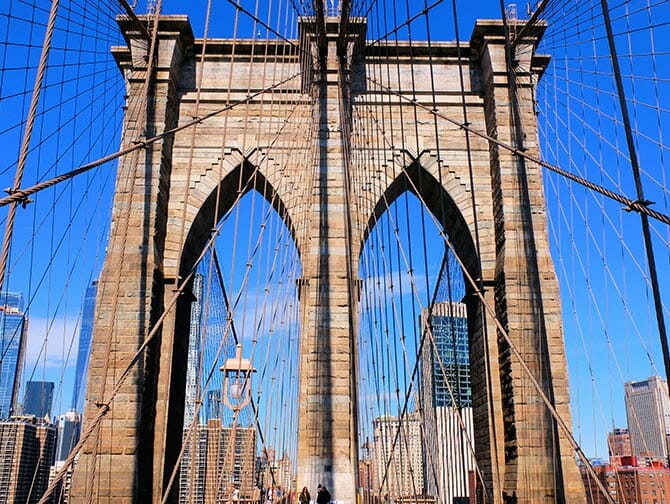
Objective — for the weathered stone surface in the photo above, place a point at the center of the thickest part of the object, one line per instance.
(329, 188)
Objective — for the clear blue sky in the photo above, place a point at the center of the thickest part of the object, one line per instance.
(609, 322)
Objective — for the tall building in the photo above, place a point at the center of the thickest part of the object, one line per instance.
(194, 359)
(285, 473)
(85, 334)
(366, 475)
(212, 405)
(61, 493)
(38, 399)
(447, 404)
(69, 429)
(648, 413)
(217, 459)
(27, 447)
(399, 455)
(13, 331)
(618, 443)
(628, 483)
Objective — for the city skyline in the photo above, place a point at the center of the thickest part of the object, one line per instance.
(607, 306)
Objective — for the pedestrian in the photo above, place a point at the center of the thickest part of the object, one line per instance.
(235, 495)
(304, 496)
(322, 495)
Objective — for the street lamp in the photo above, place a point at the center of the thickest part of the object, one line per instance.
(237, 381)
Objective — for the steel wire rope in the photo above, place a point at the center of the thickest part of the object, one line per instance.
(481, 315)
(38, 358)
(30, 297)
(20, 167)
(388, 452)
(408, 266)
(35, 20)
(633, 158)
(406, 23)
(491, 311)
(612, 354)
(142, 124)
(198, 91)
(475, 224)
(422, 234)
(635, 101)
(104, 405)
(371, 367)
(192, 432)
(21, 194)
(603, 318)
(30, 283)
(274, 306)
(575, 166)
(70, 273)
(270, 212)
(584, 270)
(401, 410)
(346, 78)
(524, 245)
(261, 115)
(238, 294)
(36, 228)
(399, 325)
(230, 325)
(252, 249)
(392, 371)
(630, 204)
(428, 332)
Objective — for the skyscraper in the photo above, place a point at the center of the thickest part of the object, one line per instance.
(447, 403)
(69, 428)
(648, 413)
(38, 399)
(194, 361)
(13, 330)
(85, 334)
(26, 453)
(216, 458)
(618, 443)
(399, 455)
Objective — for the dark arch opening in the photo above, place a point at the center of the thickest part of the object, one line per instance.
(240, 181)
(423, 185)
(416, 180)
(243, 179)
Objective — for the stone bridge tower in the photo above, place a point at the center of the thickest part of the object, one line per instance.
(169, 196)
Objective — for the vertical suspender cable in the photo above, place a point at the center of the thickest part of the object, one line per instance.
(34, 101)
(635, 167)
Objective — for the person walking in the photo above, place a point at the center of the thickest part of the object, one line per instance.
(322, 495)
(304, 497)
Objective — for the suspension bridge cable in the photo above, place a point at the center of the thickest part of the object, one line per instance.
(18, 177)
(632, 205)
(22, 195)
(651, 259)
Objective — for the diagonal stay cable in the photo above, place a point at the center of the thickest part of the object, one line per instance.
(105, 405)
(635, 168)
(407, 22)
(630, 205)
(480, 294)
(131, 13)
(27, 135)
(262, 23)
(22, 195)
